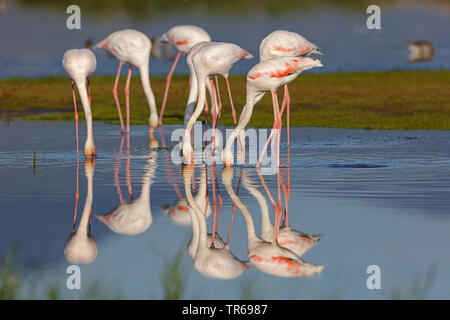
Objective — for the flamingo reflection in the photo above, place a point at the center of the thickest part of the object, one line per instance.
(135, 216)
(267, 256)
(81, 247)
(211, 261)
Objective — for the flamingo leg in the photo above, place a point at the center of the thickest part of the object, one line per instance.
(89, 91)
(116, 97)
(213, 173)
(116, 171)
(76, 115)
(286, 102)
(166, 90)
(77, 196)
(218, 97)
(127, 96)
(275, 126)
(233, 110)
(215, 116)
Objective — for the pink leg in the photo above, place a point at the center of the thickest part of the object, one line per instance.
(215, 116)
(77, 196)
(89, 91)
(233, 111)
(275, 126)
(213, 172)
(76, 114)
(286, 102)
(166, 91)
(234, 212)
(116, 97)
(127, 96)
(218, 97)
(116, 171)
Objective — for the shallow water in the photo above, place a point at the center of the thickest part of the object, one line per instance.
(379, 197)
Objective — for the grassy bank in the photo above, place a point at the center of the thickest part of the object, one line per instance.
(370, 100)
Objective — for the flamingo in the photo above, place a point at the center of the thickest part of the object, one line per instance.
(81, 247)
(79, 65)
(213, 58)
(134, 217)
(266, 76)
(267, 256)
(183, 38)
(282, 43)
(132, 47)
(211, 261)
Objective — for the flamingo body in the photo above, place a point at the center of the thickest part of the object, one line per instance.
(184, 37)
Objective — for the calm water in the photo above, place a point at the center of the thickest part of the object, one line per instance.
(379, 197)
(34, 39)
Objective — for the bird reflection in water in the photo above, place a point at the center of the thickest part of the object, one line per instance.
(135, 216)
(81, 247)
(268, 256)
(209, 260)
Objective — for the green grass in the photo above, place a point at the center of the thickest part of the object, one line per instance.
(368, 100)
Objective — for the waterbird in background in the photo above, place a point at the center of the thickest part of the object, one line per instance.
(79, 65)
(182, 38)
(282, 43)
(132, 47)
(214, 58)
(266, 76)
(211, 261)
(81, 247)
(420, 51)
(264, 255)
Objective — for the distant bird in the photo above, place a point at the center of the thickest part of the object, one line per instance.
(133, 47)
(210, 262)
(264, 255)
(81, 246)
(183, 38)
(214, 58)
(79, 65)
(134, 217)
(266, 76)
(420, 51)
(282, 43)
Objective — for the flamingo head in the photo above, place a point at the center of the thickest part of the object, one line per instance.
(315, 50)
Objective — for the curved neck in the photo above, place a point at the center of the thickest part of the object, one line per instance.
(85, 218)
(266, 225)
(202, 240)
(147, 178)
(201, 79)
(193, 94)
(81, 85)
(145, 79)
(247, 215)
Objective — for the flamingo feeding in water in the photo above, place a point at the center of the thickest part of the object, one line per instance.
(266, 76)
(133, 47)
(213, 58)
(183, 38)
(282, 43)
(79, 65)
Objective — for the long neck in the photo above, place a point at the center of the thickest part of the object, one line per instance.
(201, 80)
(145, 79)
(84, 222)
(198, 213)
(193, 94)
(266, 225)
(81, 85)
(247, 215)
(147, 178)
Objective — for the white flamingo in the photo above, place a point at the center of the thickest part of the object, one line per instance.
(134, 217)
(267, 256)
(132, 47)
(79, 65)
(210, 262)
(81, 246)
(282, 43)
(214, 58)
(183, 38)
(266, 76)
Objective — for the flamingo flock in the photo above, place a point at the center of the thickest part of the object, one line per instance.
(284, 55)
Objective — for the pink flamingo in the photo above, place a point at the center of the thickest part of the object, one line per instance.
(266, 76)
(79, 65)
(133, 47)
(282, 43)
(214, 58)
(183, 38)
